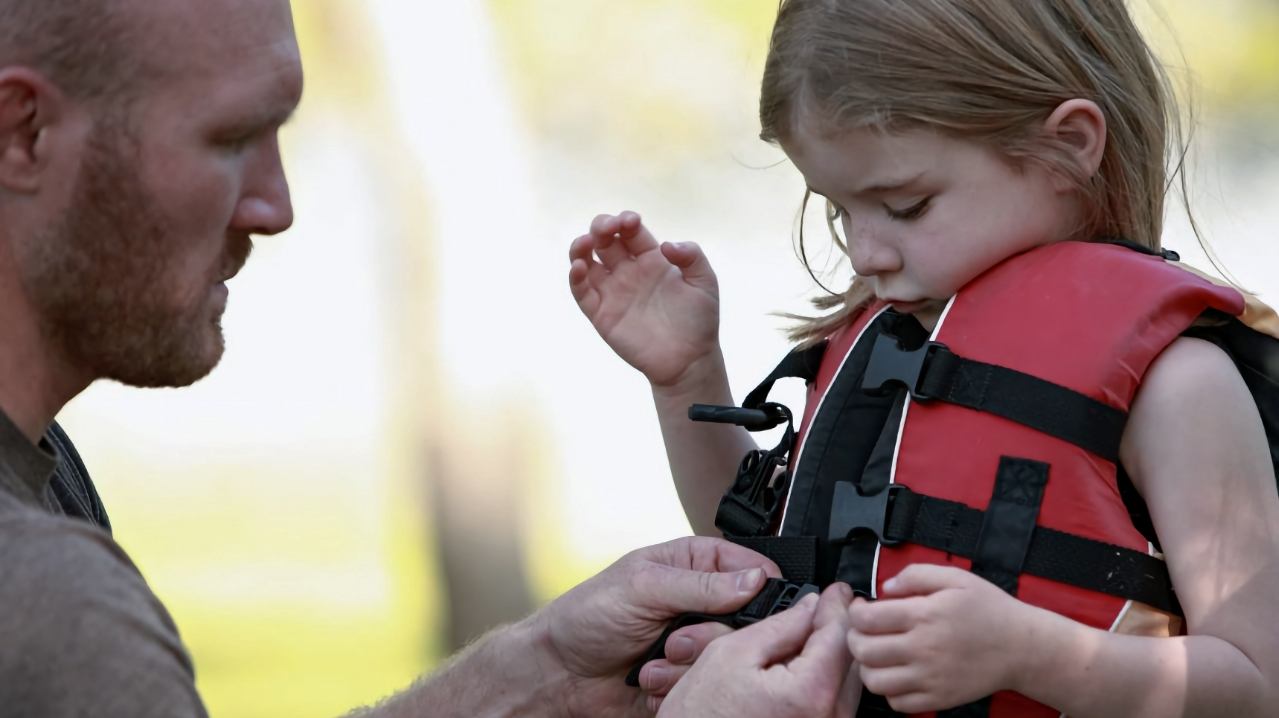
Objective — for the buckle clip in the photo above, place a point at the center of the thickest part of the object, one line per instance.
(890, 364)
(852, 512)
(759, 608)
(748, 506)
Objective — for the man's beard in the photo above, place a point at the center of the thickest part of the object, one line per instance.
(98, 278)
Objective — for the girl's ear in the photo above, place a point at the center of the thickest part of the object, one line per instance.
(1080, 126)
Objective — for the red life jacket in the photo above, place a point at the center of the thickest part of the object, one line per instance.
(1041, 356)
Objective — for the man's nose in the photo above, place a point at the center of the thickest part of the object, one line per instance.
(265, 206)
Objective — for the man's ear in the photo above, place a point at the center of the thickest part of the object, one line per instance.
(1080, 126)
(29, 106)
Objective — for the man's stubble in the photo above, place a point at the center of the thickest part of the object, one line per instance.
(99, 277)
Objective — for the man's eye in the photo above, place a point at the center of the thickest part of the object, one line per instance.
(915, 211)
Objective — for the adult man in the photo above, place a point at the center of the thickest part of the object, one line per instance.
(138, 156)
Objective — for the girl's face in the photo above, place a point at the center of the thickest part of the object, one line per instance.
(923, 213)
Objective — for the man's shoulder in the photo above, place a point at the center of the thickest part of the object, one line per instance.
(81, 624)
(51, 549)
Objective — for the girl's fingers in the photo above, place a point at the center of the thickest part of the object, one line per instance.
(692, 264)
(890, 682)
(883, 616)
(604, 225)
(878, 651)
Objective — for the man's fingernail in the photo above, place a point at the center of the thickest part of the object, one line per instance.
(748, 581)
(679, 649)
(653, 678)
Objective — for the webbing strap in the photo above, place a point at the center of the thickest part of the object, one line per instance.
(1009, 521)
(955, 528)
(1027, 400)
(934, 372)
(800, 364)
(1006, 530)
(796, 556)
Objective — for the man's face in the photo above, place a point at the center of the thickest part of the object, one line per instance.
(130, 280)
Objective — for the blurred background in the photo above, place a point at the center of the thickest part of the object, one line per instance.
(415, 435)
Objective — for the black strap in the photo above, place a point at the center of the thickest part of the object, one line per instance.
(933, 371)
(1027, 400)
(1009, 522)
(796, 556)
(1055, 555)
(955, 528)
(801, 363)
(1006, 530)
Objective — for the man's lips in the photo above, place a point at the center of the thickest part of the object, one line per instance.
(239, 250)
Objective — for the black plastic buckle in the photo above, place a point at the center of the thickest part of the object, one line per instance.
(851, 511)
(891, 364)
(764, 418)
(754, 496)
(788, 595)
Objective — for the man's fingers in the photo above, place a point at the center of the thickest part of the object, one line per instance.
(685, 645)
(703, 553)
(674, 591)
(776, 638)
(825, 654)
(657, 678)
(832, 607)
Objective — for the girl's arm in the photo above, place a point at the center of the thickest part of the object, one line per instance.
(657, 306)
(703, 457)
(1195, 449)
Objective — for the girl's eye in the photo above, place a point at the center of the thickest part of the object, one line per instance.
(915, 211)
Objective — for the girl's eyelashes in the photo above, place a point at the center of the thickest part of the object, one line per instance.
(915, 211)
(835, 213)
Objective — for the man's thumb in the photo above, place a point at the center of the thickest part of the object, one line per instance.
(687, 591)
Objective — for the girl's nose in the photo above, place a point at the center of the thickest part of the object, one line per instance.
(872, 256)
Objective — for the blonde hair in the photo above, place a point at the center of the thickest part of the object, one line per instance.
(989, 71)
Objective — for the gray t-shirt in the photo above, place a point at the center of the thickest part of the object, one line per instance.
(81, 634)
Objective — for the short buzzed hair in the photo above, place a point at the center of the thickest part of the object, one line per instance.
(89, 48)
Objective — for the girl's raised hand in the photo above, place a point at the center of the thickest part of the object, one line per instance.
(656, 305)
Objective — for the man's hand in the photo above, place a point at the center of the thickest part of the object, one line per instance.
(596, 631)
(792, 664)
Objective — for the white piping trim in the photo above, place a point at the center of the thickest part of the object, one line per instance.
(892, 473)
(799, 454)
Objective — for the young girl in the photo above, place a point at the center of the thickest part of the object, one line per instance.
(1013, 356)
